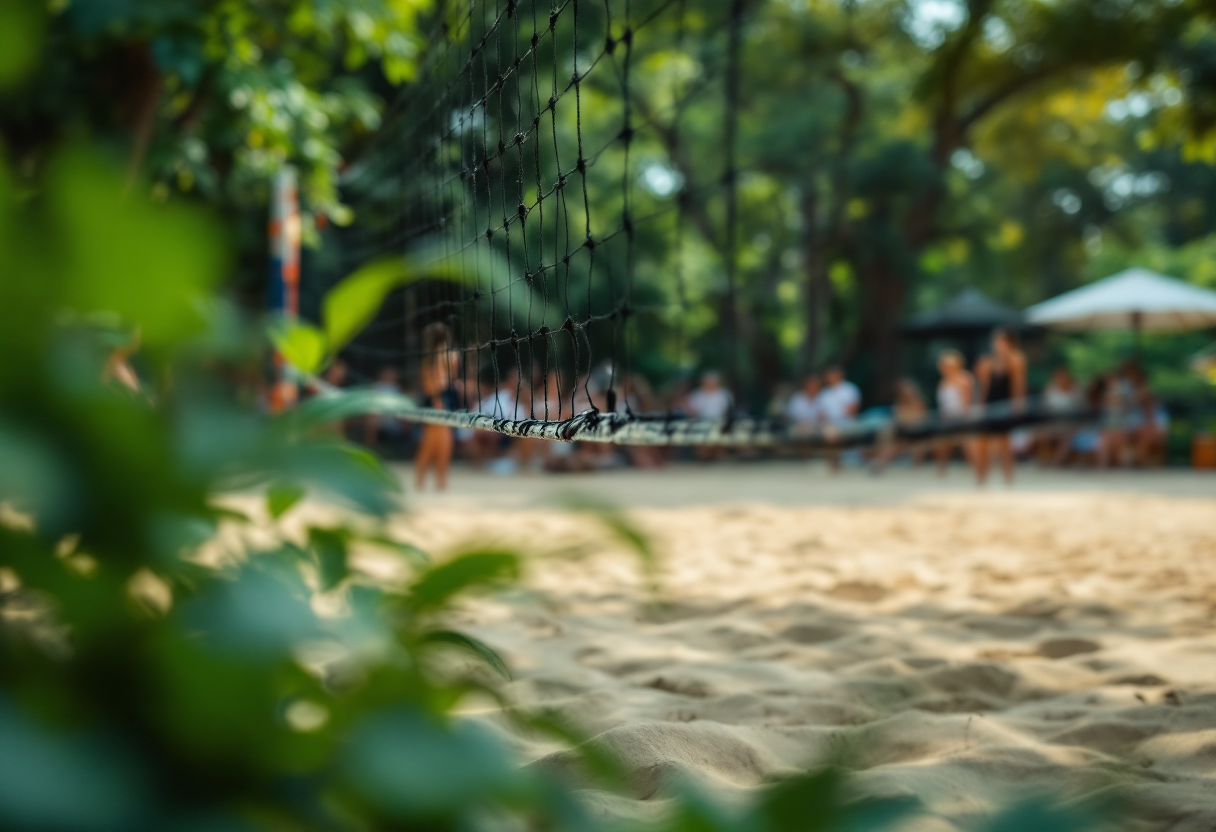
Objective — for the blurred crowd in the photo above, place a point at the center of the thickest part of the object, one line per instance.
(1131, 429)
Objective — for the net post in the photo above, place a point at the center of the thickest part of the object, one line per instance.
(284, 289)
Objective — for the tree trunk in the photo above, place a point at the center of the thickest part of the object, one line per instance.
(815, 268)
(143, 101)
(882, 302)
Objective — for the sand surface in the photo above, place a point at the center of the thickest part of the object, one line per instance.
(955, 646)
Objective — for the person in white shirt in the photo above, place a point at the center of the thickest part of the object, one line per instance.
(711, 400)
(1061, 395)
(803, 407)
(501, 403)
(955, 394)
(839, 401)
(498, 404)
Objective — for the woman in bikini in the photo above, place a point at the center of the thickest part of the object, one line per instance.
(440, 362)
(1002, 378)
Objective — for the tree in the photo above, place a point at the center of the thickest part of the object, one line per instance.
(206, 99)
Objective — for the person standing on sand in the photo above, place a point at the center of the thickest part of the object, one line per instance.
(438, 372)
(1002, 379)
(955, 393)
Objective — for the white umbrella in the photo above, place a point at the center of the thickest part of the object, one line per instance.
(1135, 299)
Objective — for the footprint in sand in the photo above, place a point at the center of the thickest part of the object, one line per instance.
(811, 633)
(1062, 648)
(858, 591)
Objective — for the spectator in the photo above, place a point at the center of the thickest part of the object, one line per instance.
(377, 426)
(955, 393)
(1062, 395)
(709, 401)
(1154, 425)
(780, 400)
(909, 403)
(909, 410)
(499, 403)
(1002, 378)
(1121, 416)
(803, 406)
(334, 376)
(839, 401)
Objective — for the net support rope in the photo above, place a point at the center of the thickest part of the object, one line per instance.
(677, 431)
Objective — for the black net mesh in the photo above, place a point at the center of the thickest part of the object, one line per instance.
(522, 186)
(544, 189)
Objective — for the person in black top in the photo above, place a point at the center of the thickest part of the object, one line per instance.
(1002, 379)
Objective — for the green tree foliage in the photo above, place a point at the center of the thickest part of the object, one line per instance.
(890, 152)
(209, 98)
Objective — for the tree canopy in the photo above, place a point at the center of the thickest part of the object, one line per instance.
(890, 152)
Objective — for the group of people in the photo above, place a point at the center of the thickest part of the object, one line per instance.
(999, 380)
(1132, 430)
(1134, 423)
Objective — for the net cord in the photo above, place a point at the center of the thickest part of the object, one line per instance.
(670, 431)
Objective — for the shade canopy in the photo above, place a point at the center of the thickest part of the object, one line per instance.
(967, 313)
(1136, 299)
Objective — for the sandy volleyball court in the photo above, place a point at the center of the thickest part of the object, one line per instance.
(962, 648)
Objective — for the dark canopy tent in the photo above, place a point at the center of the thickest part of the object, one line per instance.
(968, 319)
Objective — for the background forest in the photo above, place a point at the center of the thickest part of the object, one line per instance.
(889, 152)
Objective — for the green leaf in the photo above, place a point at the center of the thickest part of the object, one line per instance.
(805, 804)
(410, 764)
(329, 549)
(624, 530)
(335, 405)
(303, 346)
(353, 303)
(151, 265)
(409, 550)
(1043, 814)
(108, 788)
(471, 645)
(476, 570)
(341, 469)
(22, 23)
(818, 801)
(282, 497)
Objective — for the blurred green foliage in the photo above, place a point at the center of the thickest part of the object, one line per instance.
(208, 98)
(152, 675)
(174, 654)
